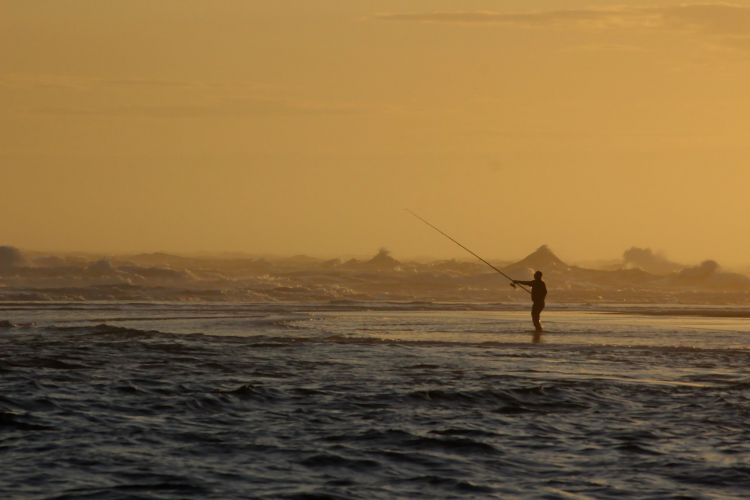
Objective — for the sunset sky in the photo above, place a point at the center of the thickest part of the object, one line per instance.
(307, 126)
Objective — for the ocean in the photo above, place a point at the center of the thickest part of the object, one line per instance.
(372, 400)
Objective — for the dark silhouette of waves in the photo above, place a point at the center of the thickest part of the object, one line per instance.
(299, 407)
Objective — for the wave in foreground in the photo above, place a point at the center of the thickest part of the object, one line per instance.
(327, 410)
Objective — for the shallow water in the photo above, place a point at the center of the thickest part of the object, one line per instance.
(370, 401)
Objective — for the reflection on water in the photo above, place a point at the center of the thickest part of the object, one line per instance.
(186, 401)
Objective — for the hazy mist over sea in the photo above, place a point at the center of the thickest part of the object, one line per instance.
(641, 276)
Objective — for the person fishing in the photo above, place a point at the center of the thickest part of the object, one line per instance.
(538, 290)
(538, 294)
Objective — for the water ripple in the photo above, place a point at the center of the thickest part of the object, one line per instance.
(319, 411)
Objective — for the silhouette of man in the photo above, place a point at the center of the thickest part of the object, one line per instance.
(538, 294)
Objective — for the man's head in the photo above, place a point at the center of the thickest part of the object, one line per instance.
(538, 275)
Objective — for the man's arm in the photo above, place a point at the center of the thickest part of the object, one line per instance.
(519, 282)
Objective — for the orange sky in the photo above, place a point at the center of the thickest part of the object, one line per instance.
(305, 127)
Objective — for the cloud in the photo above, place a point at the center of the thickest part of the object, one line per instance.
(24, 81)
(224, 108)
(532, 19)
(719, 19)
(145, 97)
(604, 47)
(727, 20)
(80, 82)
(70, 82)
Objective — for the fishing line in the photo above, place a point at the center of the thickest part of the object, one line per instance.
(468, 250)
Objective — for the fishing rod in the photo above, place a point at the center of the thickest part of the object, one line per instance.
(512, 282)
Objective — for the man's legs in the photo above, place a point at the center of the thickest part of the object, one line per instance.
(536, 311)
